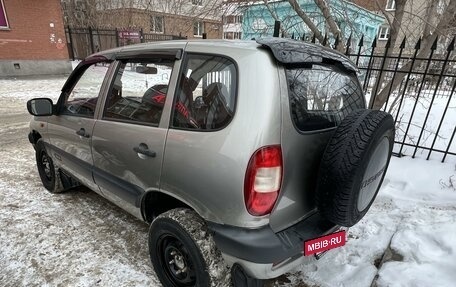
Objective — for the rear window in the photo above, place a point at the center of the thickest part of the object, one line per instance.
(322, 95)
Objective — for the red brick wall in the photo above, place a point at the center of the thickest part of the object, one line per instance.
(29, 34)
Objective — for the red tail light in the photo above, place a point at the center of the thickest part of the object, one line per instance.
(263, 179)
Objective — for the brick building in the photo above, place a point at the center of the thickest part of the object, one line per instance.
(32, 38)
(190, 18)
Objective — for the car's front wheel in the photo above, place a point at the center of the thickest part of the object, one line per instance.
(183, 252)
(48, 174)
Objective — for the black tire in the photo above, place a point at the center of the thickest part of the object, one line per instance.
(353, 166)
(47, 170)
(179, 241)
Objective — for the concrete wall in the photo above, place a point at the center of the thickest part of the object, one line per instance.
(35, 39)
(15, 68)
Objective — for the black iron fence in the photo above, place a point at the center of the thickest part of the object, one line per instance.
(82, 42)
(417, 88)
(414, 83)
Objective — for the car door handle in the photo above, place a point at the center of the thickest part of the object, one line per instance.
(143, 149)
(82, 133)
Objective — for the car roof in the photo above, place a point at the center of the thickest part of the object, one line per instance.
(286, 51)
(172, 45)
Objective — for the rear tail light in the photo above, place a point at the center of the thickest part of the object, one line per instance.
(263, 179)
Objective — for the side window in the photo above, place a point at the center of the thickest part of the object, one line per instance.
(82, 99)
(138, 92)
(205, 97)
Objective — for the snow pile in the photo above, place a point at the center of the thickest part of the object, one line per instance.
(414, 218)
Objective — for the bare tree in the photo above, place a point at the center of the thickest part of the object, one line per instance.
(431, 33)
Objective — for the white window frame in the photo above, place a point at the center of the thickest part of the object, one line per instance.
(197, 2)
(153, 21)
(200, 28)
(4, 15)
(386, 32)
(390, 5)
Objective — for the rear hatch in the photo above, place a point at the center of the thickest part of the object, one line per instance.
(319, 88)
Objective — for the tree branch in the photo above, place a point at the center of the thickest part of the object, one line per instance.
(427, 42)
(325, 10)
(274, 16)
(294, 4)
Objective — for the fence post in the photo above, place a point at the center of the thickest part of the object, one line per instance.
(117, 37)
(369, 68)
(336, 42)
(433, 48)
(449, 144)
(417, 48)
(347, 50)
(141, 35)
(360, 46)
(445, 62)
(396, 68)
(276, 29)
(70, 42)
(374, 94)
(91, 40)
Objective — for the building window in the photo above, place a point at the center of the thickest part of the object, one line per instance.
(390, 5)
(232, 35)
(198, 28)
(232, 19)
(384, 33)
(3, 19)
(197, 2)
(156, 24)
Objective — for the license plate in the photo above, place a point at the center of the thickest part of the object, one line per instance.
(324, 243)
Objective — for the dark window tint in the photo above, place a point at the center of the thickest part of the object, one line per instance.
(321, 96)
(205, 96)
(82, 99)
(138, 92)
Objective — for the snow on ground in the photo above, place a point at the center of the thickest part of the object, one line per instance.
(434, 109)
(80, 239)
(414, 214)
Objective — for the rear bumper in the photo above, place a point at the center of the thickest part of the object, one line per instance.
(265, 254)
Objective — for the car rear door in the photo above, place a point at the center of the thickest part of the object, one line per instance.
(129, 138)
(70, 130)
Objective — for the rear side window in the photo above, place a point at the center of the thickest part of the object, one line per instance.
(205, 95)
(322, 95)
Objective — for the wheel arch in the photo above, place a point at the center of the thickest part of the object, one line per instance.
(154, 203)
(34, 136)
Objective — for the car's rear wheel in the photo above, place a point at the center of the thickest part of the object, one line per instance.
(183, 252)
(354, 165)
(46, 169)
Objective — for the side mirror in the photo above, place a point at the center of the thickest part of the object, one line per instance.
(146, 70)
(40, 107)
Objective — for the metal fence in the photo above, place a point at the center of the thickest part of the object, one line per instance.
(82, 42)
(419, 87)
(416, 85)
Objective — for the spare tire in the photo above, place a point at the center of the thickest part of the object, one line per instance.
(353, 166)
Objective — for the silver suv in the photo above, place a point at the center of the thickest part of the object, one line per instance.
(246, 158)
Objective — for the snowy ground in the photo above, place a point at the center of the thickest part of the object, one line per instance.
(80, 239)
